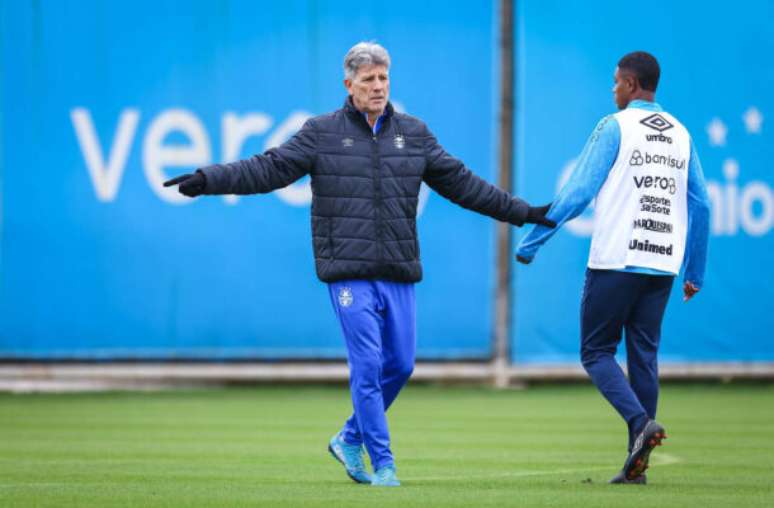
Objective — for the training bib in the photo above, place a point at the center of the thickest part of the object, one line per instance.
(641, 215)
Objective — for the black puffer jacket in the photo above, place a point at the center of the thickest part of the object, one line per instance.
(365, 189)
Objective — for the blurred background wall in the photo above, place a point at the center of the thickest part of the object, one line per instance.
(102, 101)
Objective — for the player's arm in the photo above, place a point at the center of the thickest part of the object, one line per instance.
(274, 169)
(591, 170)
(698, 227)
(449, 177)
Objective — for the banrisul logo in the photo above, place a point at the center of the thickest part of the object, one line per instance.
(664, 160)
(638, 159)
(656, 122)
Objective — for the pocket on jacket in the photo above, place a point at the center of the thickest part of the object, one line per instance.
(322, 235)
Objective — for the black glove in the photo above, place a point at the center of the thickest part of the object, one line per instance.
(191, 184)
(537, 215)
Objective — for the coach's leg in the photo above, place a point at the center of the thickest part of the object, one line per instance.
(398, 310)
(643, 334)
(399, 337)
(607, 300)
(357, 308)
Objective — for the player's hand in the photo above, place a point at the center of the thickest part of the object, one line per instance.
(191, 184)
(537, 215)
(689, 289)
(523, 260)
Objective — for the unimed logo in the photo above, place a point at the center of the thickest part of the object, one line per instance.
(655, 248)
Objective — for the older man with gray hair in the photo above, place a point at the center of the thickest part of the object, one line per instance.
(366, 163)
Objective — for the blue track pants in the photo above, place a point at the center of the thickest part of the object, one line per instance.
(614, 302)
(378, 319)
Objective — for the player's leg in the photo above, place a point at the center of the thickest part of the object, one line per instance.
(608, 297)
(358, 310)
(643, 334)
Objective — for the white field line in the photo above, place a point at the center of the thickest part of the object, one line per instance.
(662, 459)
(51, 484)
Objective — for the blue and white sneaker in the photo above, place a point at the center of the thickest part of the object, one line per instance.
(385, 477)
(351, 457)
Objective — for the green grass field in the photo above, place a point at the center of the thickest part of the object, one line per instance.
(545, 446)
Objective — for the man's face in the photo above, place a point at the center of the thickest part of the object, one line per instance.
(370, 88)
(623, 88)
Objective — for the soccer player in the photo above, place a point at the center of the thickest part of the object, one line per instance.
(366, 163)
(652, 218)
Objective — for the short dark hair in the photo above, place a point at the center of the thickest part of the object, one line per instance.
(644, 66)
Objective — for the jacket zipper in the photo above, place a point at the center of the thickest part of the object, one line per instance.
(377, 194)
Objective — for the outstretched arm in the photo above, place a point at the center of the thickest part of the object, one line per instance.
(450, 178)
(591, 170)
(274, 169)
(698, 227)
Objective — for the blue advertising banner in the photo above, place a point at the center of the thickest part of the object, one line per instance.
(716, 77)
(103, 101)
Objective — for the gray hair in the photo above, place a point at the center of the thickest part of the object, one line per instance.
(364, 53)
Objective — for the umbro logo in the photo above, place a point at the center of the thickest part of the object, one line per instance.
(347, 142)
(657, 122)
